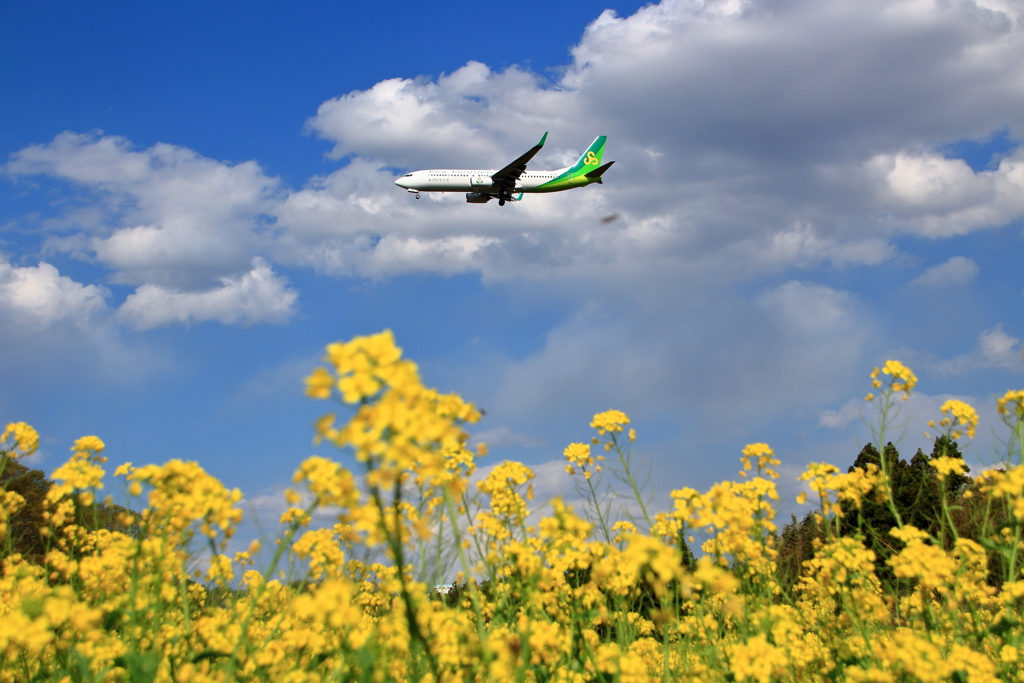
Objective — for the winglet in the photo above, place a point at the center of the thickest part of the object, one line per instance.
(542, 139)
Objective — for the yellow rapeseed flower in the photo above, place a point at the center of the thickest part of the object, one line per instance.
(610, 421)
(903, 378)
(947, 466)
(963, 413)
(578, 454)
(1011, 402)
(26, 439)
(765, 458)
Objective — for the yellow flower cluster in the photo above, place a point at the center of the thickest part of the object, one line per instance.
(739, 516)
(183, 494)
(578, 455)
(958, 413)
(851, 487)
(947, 466)
(539, 595)
(501, 485)
(1007, 485)
(362, 368)
(903, 379)
(25, 439)
(610, 421)
(763, 456)
(1011, 403)
(81, 473)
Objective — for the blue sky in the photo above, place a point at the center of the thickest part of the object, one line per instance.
(194, 200)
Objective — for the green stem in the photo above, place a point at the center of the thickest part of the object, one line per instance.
(632, 480)
(394, 539)
(597, 508)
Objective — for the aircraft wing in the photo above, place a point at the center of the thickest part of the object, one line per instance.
(510, 174)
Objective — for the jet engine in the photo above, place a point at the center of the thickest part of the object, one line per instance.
(477, 198)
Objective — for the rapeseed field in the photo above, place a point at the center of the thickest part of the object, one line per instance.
(145, 592)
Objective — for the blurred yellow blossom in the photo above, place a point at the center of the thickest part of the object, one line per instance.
(763, 457)
(962, 414)
(903, 379)
(25, 439)
(610, 421)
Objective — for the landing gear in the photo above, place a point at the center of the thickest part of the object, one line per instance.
(501, 202)
(417, 195)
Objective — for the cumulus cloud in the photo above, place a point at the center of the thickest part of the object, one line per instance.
(53, 325)
(422, 121)
(836, 419)
(502, 437)
(806, 128)
(38, 297)
(940, 197)
(995, 349)
(766, 140)
(257, 296)
(794, 343)
(760, 148)
(164, 215)
(956, 271)
(754, 144)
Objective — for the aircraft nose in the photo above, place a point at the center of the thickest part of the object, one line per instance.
(400, 183)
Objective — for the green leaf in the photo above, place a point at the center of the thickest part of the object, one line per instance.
(208, 654)
(1002, 626)
(141, 666)
(113, 620)
(80, 668)
(1004, 550)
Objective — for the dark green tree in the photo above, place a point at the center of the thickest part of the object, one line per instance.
(916, 492)
(796, 546)
(25, 525)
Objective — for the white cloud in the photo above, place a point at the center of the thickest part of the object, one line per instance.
(750, 141)
(785, 346)
(502, 437)
(256, 297)
(956, 271)
(53, 326)
(766, 140)
(419, 121)
(38, 297)
(940, 197)
(995, 349)
(756, 127)
(164, 215)
(836, 419)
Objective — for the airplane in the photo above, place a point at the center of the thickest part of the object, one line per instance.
(510, 183)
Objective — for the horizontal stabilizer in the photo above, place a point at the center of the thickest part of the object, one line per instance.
(598, 172)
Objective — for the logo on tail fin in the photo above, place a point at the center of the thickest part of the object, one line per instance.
(590, 158)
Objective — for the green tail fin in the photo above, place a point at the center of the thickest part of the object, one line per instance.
(590, 159)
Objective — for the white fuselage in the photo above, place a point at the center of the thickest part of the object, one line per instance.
(464, 180)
